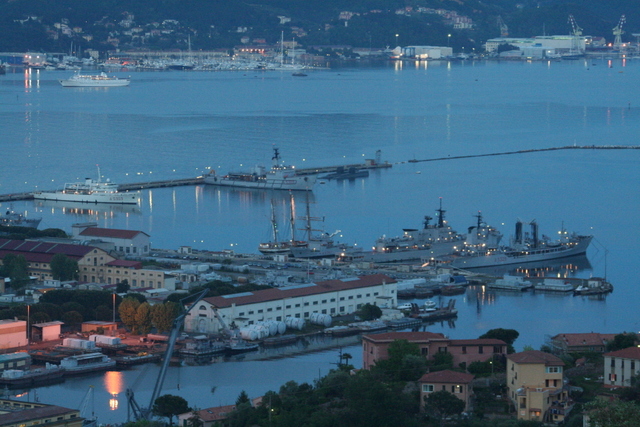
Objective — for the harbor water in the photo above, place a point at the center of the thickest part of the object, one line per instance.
(171, 125)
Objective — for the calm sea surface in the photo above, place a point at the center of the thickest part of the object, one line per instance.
(180, 124)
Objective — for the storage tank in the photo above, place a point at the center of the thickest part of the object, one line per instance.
(320, 319)
(248, 334)
(282, 327)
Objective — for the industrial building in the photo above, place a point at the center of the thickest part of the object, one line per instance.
(332, 297)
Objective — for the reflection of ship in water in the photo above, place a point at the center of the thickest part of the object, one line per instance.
(254, 197)
(77, 208)
(562, 267)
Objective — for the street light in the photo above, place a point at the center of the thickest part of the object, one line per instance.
(448, 40)
(397, 35)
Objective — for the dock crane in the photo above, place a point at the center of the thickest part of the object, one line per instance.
(576, 32)
(139, 412)
(504, 30)
(617, 32)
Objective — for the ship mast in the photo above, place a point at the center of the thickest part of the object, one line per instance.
(274, 223)
(440, 215)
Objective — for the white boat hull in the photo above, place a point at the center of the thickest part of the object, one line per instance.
(504, 258)
(292, 183)
(115, 198)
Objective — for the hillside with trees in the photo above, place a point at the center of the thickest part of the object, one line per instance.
(109, 25)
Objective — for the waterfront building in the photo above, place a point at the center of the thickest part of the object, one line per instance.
(456, 383)
(427, 52)
(20, 360)
(13, 333)
(581, 343)
(375, 347)
(621, 366)
(333, 297)
(125, 242)
(535, 386)
(94, 264)
(14, 413)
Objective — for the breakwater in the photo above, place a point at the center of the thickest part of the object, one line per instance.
(533, 150)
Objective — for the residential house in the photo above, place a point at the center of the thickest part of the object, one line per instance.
(620, 366)
(535, 386)
(208, 417)
(375, 347)
(456, 383)
(581, 343)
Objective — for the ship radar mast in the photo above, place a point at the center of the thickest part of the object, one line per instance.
(440, 215)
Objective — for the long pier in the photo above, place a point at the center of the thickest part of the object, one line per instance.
(533, 150)
(329, 169)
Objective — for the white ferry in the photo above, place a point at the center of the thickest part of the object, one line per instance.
(99, 80)
(90, 191)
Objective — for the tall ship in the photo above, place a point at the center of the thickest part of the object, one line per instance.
(320, 244)
(524, 247)
(432, 240)
(278, 177)
(94, 80)
(90, 191)
(15, 219)
(276, 246)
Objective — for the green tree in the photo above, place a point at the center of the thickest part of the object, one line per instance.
(169, 406)
(621, 341)
(507, 335)
(17, 269)
(127, 311)
(163, 315)
(443, 404)
(243, 397)
(64, 268)
(405, 363)
(616, 413)
(143, 322)
(72, 318)
(369, 312)
(123, 287)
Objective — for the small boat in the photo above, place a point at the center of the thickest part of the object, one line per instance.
(553, 284)
(90, 191)
(593, 286)
(92, 80)
(511, 283)
(278, 177)
(430, 305)
(14, 219)
(299, 74)
(238, 345)
(405, 306)
(201, 346)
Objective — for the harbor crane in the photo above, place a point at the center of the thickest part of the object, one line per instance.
(139, 412)
(504, 30)
(617, 32)
(576, 32)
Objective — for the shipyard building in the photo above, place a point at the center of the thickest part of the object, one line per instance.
(332, 297)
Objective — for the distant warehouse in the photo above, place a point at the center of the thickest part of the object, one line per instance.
(333, 297)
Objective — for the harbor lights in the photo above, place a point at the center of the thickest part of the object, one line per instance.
(448, 40)
(397, 35)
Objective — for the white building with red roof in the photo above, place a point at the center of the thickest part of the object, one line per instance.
(620, 366)
(125, 242)
(333, 297)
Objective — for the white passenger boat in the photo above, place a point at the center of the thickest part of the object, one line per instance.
(94, 80)
(278, 177)
(90, 191)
